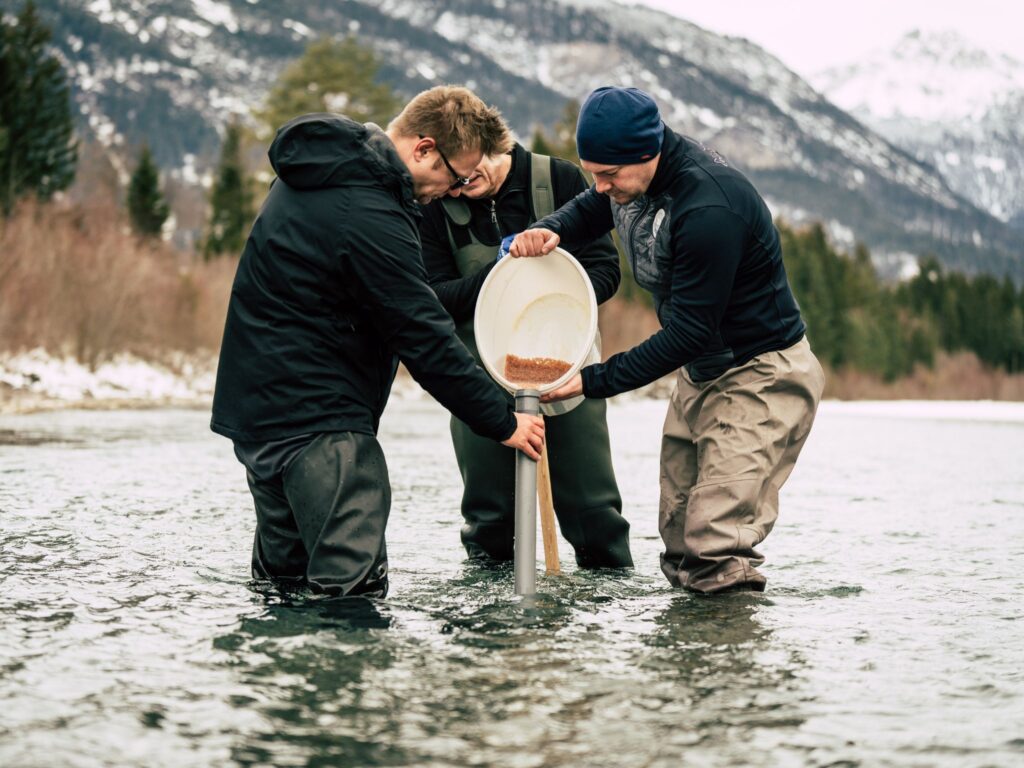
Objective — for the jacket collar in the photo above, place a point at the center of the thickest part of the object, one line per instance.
(672, 151)
(516, 178)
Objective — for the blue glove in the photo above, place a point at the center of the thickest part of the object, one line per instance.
(503, 249)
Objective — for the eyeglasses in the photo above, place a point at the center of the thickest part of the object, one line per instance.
(460, 181)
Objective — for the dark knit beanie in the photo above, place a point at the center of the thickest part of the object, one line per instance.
(619, 126)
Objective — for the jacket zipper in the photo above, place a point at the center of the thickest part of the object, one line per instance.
(632, 230)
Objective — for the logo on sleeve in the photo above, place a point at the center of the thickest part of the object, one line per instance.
(659, 219)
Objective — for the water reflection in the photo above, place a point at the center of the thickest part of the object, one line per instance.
(465, 672)
(305, 661)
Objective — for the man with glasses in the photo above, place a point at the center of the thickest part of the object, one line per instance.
(461, 233)
(329, 295)
(457, 181)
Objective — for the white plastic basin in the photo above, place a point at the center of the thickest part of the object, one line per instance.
(537, 307)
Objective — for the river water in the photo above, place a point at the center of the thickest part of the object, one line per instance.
(891, 632)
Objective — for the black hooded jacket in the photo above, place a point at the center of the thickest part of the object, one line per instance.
(331, 291)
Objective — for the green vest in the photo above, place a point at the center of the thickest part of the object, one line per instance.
(471, 258)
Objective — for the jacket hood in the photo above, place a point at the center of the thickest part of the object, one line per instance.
(324, 150)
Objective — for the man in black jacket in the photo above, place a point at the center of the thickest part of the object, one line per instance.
(329, 294)
(461, 235)
(701, 240)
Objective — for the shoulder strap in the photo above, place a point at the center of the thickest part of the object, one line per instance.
(540, 183)
(456, 212)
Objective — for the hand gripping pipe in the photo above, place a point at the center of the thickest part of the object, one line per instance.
(527, 401)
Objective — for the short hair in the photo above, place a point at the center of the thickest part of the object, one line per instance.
(457, 119)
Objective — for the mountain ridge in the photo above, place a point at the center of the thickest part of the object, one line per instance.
(178, 70)
(948, 103)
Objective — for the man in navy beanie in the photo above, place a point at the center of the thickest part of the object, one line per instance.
(699, 237)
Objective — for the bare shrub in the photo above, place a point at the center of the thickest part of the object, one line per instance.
(624, 324)
(209, 289)
(960, 376)
(75, 281)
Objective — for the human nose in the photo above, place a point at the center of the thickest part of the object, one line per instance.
(602, 186)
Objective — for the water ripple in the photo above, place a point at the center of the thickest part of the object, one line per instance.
(134, 635)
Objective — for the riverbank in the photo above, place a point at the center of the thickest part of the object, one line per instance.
(39, 381)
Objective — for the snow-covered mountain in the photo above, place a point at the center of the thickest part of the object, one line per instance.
(949, 103)
(174, 71)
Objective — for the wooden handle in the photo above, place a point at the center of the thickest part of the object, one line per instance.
(547, 514)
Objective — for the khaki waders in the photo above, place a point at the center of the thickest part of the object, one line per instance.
(586, 496)
(728, 446)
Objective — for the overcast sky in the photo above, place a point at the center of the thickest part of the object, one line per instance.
(809, 36)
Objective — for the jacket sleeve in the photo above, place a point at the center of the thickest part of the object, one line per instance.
(580, 221)
(599, 258)
(383, 254)
(707, 246)
(457, 293)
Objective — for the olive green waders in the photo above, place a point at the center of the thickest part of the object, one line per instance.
(728, 446)
(586, 496)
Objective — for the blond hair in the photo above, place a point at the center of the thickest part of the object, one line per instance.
(456, 119)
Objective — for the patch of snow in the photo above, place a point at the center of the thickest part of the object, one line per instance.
(219, 14)
(336, 102)
(188, 169)
(102, 9)
(709, 118)
(901, 264)
(909, 270)
(994, 164)
(192, 28)
(842, 236)
(297, 27)
(41, 375)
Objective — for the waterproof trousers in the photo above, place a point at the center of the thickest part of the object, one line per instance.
(585, 494)
(728, 446)
(321, 522)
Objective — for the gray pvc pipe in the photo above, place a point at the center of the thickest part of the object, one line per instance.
(527, 401)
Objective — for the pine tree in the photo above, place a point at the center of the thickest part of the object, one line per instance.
(230, 199)
(565, 132)
(146, 205)
(37, 149)
(539, 143)
(330, 77)
(563, 143)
